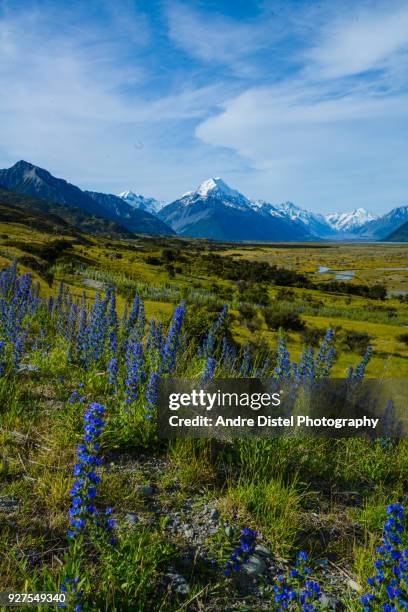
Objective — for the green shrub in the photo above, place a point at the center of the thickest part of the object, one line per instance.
(288, 320)
(403, 338)
(246, 311)
(356, 341)
(153, 261)
(254, 293)
(272, 504)
(312, 336)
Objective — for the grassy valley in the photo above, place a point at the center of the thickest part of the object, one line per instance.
(188, 524)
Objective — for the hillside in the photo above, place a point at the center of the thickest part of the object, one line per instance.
(132, 217)
(47, 223)
(28, 179)
(380, 228)
(400, 234)
(70, 215)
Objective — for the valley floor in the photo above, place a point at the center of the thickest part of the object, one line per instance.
(180, 508)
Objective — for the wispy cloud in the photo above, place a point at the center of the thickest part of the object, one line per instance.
(365, 39)
(215, 38)
(284, 99)
(330, 132)
(309, 146)
(73, 101)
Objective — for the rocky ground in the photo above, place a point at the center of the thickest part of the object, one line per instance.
(197, 528)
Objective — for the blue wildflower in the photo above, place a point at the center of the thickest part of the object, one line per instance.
(209, 371)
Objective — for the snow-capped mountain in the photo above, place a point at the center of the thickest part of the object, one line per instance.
(127, 213)
(349, 221)
(213, 210)
(382, 227)
(313, 222)
(138, 201)
(216, 188)
(216, 211)
(31, 180)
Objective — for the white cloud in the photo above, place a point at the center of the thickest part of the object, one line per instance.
(214, 38)
(364, 40)
(307, 144)
(318, 137)
(66, 105)
(81, 100)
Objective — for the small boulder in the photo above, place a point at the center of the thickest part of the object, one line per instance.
(214, 515)
(263, 551)
(131, 518)
(177, 582)
(255, 566)
(330, 602)
(354, 585)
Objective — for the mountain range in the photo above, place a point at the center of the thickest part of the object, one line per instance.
(349, 221)
(58, 215)
(138, 201)
(213, 210)
(30, 180)
(382, 227)
(400, 234)
(216, 211)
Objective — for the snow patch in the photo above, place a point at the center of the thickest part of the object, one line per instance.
(138, 201)
(345, 221)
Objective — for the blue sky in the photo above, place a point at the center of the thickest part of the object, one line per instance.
(285, 100)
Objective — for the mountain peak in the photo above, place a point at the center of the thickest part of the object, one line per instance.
(22, 164)
(213, 184)
(217, 188)
(346, 221)
(138, 201)
(126, 194)
(28, 171)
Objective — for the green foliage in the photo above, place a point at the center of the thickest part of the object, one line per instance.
(403, 338)
(244, 270)
(358, 342)
(312, 336)
(253, 293)
(153, 261)
(281, 318)
(327, 495)
(273, 505)
(132, 571)
(374, 292)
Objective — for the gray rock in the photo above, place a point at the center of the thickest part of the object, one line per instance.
(322, 562)
(214, 515)
(177, 582)
(330, 602)
(9, 503)
(354, 585)
(263, 551)
(23, 367)
(131, 518)
(189, 534)
(255, 566)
